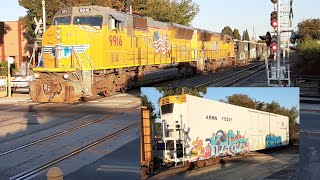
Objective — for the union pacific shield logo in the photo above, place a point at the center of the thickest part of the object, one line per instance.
(64, 51)
(160, 43)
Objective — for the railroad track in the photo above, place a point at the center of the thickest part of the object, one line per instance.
(56, 107)
(220, 79)
(109, 116)
(30, 173)
(230, 80)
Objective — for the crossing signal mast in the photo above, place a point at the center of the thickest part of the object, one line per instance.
(280, 20)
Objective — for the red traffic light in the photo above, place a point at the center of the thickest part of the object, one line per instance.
(274, 47)
(274, 23)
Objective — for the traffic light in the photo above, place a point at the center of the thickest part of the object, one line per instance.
(294, 36)
(274, 43)
(266, 38)
(274, 19)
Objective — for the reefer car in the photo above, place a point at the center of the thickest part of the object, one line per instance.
(198, 130)
(97, 50)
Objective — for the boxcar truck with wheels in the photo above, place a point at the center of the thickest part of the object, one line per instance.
(201, 131)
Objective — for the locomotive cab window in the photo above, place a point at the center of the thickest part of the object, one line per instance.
(93, 21)
(62, 20)
(115, 24)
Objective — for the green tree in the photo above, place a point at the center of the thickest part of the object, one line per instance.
(200, 91)
(275, 107)
(236, 34)
(177, 11)
(245, 36)
(34, 9)
(4, 28)
(227, 30)
(310, 28)
(146, 102)
(241, 100)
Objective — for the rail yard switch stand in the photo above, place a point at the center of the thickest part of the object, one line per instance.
(55, 173)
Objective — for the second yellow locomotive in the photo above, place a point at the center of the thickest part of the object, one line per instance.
(96, 50)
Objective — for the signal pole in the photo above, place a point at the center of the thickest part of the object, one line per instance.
(44, 14)
(279, 41)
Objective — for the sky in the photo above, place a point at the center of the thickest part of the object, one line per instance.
(287, 97)
(215, 14)
(244, 14)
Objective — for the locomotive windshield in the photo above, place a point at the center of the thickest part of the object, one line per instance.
(62, 20)
(95, 21)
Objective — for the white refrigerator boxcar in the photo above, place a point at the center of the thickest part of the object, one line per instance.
(197, 129)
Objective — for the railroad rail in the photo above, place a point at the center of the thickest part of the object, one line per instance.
(109, 116)
(233, 78)
(209, 78)
(30, 173)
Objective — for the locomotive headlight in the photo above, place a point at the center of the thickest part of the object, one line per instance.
(37, 75)
(58, 31)
(58, 37)
(66, 76)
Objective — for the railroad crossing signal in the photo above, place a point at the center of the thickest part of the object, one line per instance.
(266, 38)
(39, 24)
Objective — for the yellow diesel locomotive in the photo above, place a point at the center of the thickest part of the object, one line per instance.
(96, 50)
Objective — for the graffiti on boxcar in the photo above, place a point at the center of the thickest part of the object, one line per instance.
(222, 144)
(273, 141)
(253, 53)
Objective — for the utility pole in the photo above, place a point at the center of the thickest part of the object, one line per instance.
(44, 15)
(10, 61)
(253, 37)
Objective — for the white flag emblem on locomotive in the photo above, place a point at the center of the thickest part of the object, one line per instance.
(160, 43)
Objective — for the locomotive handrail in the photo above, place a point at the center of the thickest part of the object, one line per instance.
(78, 57)
(92, 68)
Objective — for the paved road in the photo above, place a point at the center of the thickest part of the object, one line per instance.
(22, 122)
(124, 163)
(257, 165)
(310, 143)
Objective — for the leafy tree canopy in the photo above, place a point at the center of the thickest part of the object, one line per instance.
(227, 30)
(182, 90)
(241, 100)
(245, 36)
(177, 11)
(236, 34)
(310, 28)
(146, 102)
(273, 107)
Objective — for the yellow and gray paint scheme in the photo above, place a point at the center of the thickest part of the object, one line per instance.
(92, 49)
